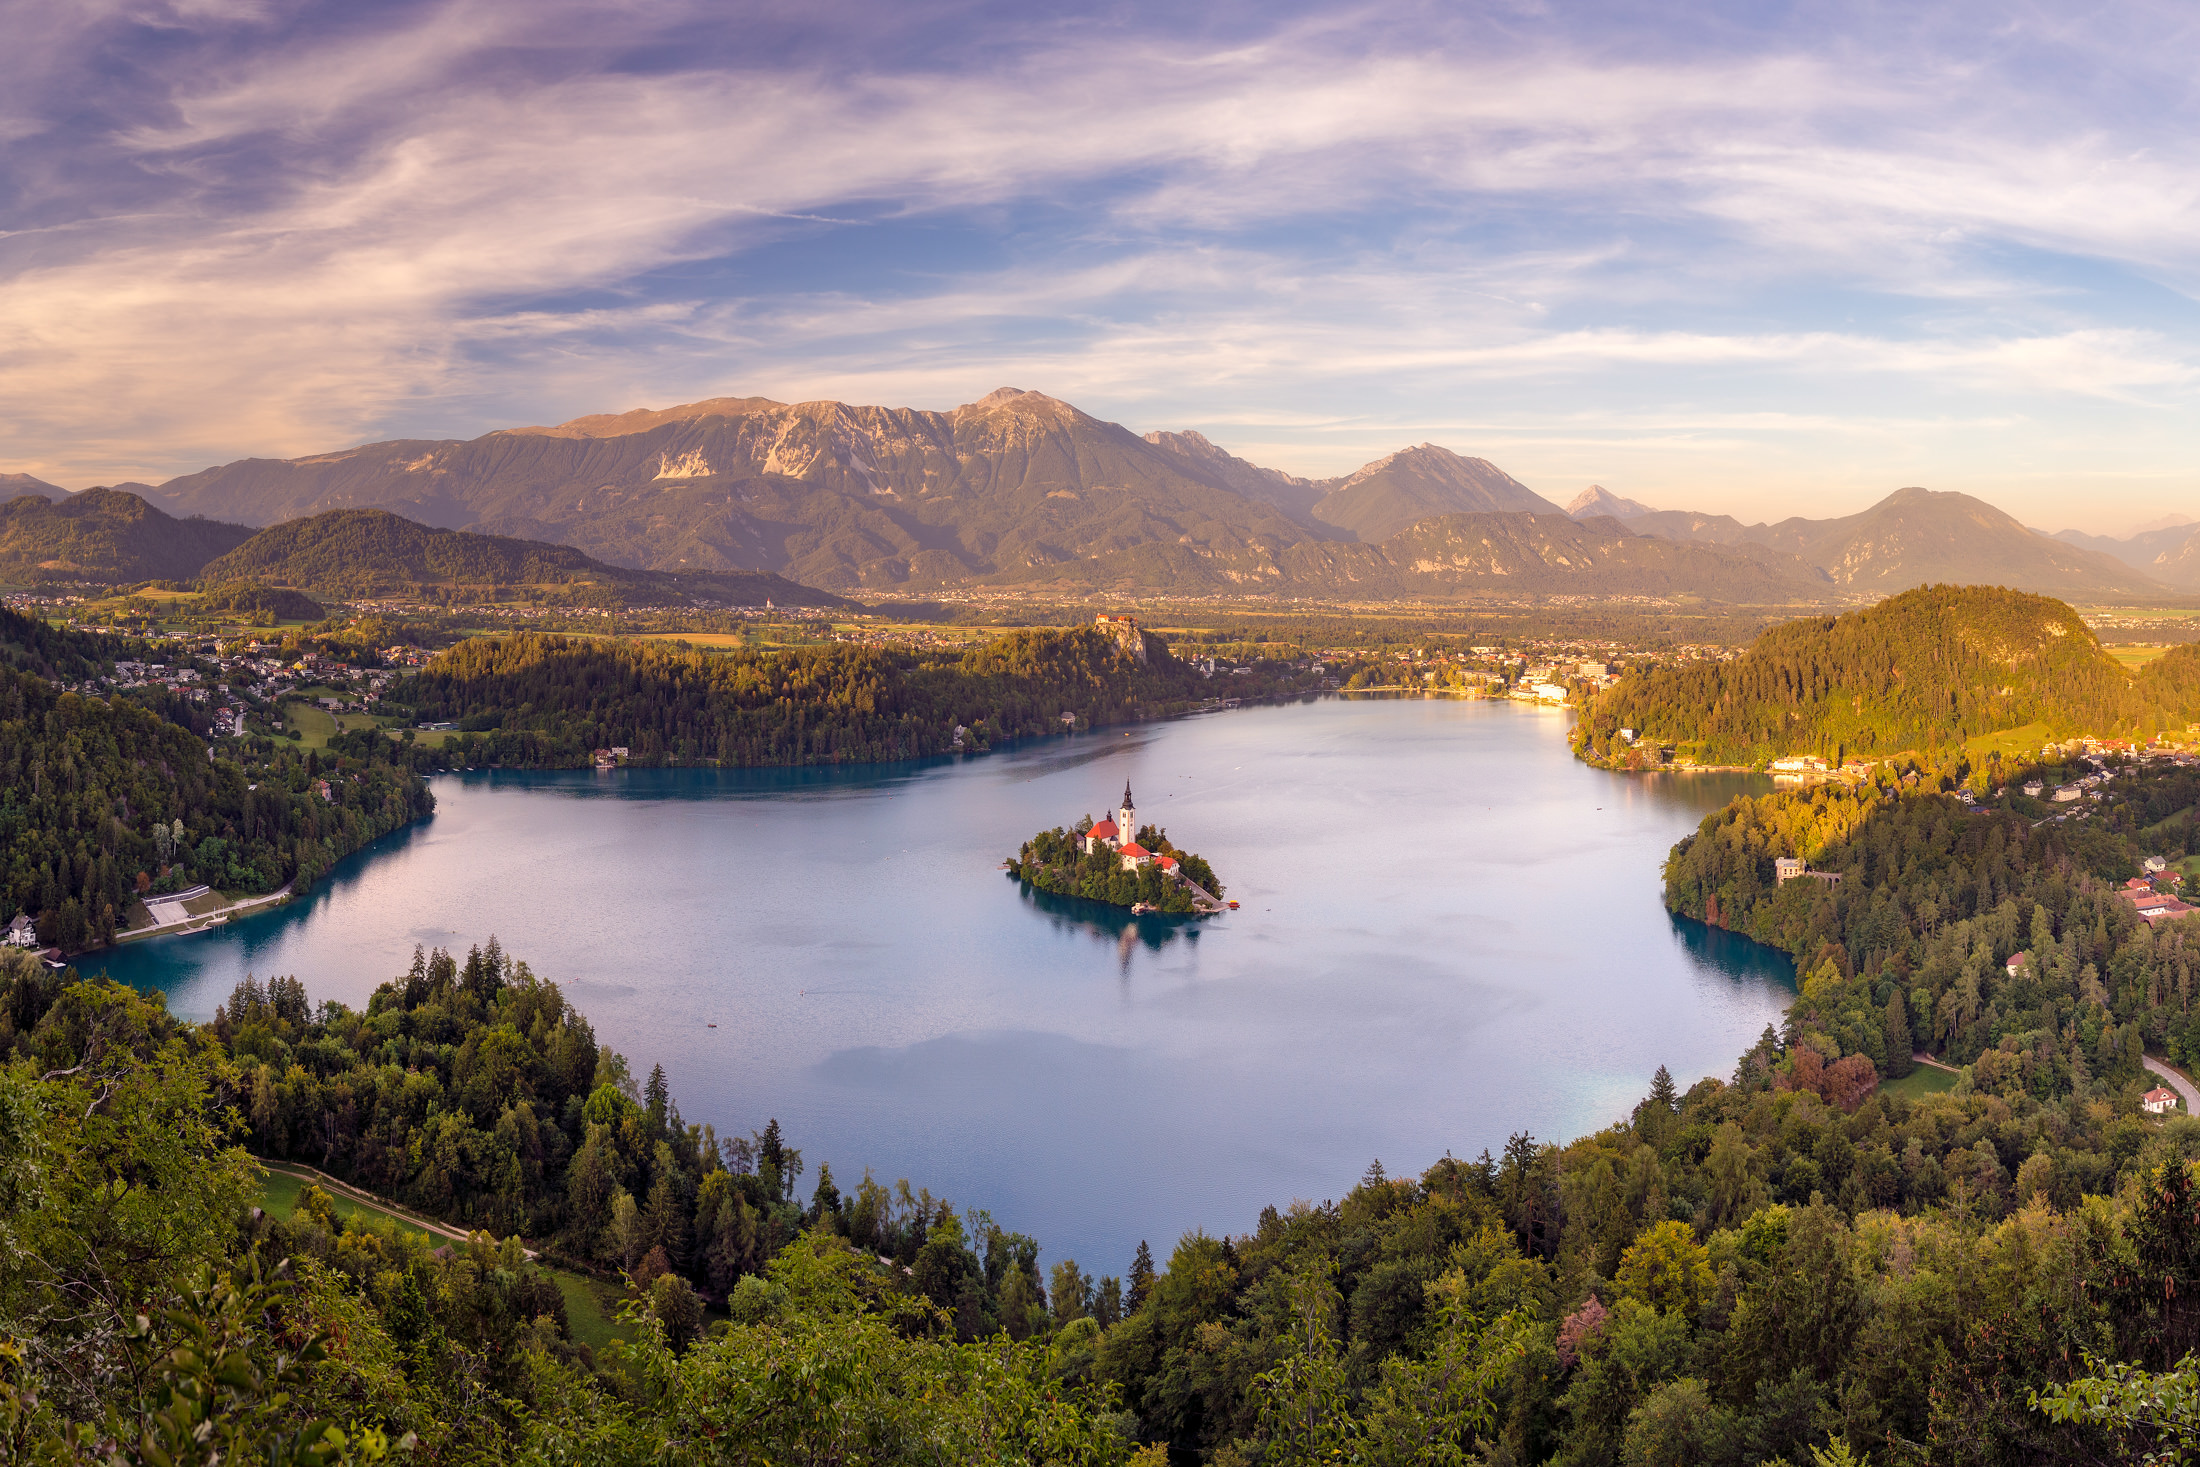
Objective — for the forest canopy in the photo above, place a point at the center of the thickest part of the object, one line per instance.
(1766, 1267)
(549, 700)
(1920, 672)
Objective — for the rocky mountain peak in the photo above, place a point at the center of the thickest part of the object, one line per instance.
(1596, 500)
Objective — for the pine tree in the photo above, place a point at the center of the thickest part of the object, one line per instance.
(1899, 1047)
(1663, 1091)
(1141, 1276)
(657, 1097)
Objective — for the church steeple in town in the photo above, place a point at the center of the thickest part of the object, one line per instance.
(1126, 819)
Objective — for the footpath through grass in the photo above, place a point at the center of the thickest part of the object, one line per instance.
(590, 1306)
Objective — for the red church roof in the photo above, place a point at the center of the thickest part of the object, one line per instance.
(1105, 830)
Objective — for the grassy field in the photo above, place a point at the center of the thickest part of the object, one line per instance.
(1919, 1083)
(2134, 658)
(588, 1304)
(589, 1309)
(316, 724)
(2010, 741)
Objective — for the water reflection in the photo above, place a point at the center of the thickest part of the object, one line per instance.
(1742, 959)
(1113, 926)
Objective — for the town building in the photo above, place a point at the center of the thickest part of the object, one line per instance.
(2154, 906)
(2158, 1101)
(21, 932)
(1786, 868)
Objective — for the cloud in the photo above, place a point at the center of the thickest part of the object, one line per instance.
(456, 215)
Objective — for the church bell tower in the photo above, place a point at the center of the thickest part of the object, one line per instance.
(1126, 819)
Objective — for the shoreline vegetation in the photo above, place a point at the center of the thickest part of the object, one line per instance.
(1781, 1265)
(1058, 861)
(105, 801)
(539, 700)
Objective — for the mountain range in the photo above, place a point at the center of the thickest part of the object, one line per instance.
(1913, 537)
(2169, 553)
(1019, 488)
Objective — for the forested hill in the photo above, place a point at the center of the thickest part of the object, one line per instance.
(35, 646)
(364, 552)
(105, 535)
(102, 800)
(1921, 671)
(550, 700)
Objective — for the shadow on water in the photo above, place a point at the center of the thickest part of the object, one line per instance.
(1731, 955)
(1108, 923)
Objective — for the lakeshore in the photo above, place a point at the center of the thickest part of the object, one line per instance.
(842, 928)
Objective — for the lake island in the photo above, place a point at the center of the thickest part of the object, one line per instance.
(1120, 862)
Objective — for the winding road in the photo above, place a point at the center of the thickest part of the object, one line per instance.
(2174, 1081)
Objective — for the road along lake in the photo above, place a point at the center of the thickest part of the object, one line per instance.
(1451, 931)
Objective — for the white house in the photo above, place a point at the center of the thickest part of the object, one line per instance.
(2158, 1101)
(21, 932)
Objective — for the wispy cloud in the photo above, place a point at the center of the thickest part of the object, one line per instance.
(301, 228)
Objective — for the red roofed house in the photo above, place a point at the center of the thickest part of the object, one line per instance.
(2016, 963)
(1134, 855)
(2158, 1101)
(2155, 906)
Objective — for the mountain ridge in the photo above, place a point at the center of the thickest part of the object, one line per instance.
(1020, 488)
(370, 552)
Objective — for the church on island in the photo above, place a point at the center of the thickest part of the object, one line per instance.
(1105, 861)
(1121, 836)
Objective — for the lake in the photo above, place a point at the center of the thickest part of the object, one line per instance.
(1451, 931)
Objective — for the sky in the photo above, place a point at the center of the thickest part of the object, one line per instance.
(1758, 259)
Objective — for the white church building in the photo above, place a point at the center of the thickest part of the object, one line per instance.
(1121, 836)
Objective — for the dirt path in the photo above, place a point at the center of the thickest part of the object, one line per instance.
(368, 1199)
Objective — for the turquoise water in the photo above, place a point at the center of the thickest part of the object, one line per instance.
(1451, 931)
